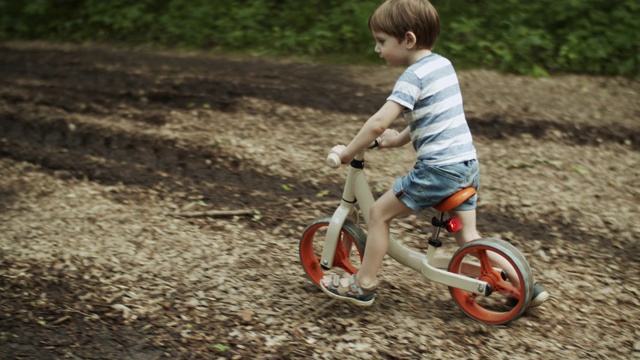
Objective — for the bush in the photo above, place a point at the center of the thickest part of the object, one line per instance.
(599, 37)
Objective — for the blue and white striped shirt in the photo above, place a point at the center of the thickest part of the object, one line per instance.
(430, 92)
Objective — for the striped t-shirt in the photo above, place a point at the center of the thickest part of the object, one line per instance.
(430, 92)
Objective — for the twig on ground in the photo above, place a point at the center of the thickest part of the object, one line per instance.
(216, 213)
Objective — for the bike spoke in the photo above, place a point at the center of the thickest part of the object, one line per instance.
(472, 298)
(347, 266)
(485, 264)
(508, 289)
(342, 261)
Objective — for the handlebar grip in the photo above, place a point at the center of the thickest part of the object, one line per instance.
(333, 160)
(376, 143)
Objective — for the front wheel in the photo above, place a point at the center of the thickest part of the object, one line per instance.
(348, 255)
(485, 259)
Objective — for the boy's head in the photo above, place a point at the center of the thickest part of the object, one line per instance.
(397, 17)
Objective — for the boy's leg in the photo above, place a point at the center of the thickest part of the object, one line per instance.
(469, 231)
(385, 209)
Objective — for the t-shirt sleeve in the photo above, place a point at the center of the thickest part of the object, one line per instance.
(406, 91)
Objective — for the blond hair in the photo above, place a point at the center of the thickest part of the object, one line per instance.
(397, 17)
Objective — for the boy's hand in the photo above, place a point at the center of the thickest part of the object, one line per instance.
(388, 138)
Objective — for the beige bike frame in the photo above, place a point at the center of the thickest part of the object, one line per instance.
(430, 266)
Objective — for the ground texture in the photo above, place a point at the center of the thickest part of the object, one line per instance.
(151, 205)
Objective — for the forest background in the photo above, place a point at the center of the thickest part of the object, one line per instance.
(539, 38)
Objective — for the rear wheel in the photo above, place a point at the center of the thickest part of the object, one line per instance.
(348, 255)
(509, 297)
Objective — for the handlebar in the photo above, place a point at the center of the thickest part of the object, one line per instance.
(333, 160)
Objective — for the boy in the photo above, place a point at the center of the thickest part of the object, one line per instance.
(428, 95)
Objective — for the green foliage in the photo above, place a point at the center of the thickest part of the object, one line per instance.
(537, 37)
(528, 37)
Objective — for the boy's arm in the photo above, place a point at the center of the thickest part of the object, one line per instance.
(371, 129)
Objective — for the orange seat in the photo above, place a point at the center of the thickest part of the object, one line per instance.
(455, 200)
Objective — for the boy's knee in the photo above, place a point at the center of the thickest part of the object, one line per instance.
(377, 214)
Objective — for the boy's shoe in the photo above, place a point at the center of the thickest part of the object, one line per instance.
(539, 296)
(353, 293)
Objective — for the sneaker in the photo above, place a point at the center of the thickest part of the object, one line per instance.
(539, 296)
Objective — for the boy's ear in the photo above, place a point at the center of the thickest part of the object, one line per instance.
(410, 39)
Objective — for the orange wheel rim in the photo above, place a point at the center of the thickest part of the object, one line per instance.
(311, 261)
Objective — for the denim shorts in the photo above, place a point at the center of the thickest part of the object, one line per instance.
(426, 185)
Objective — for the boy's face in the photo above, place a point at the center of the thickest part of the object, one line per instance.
(390, 49)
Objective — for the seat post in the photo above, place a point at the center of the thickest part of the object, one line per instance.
(434, 238)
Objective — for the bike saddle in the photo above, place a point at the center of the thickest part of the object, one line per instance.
(455, 200)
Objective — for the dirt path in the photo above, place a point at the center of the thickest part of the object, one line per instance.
(103, 152)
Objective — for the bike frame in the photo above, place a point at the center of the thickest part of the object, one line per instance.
(430, 266)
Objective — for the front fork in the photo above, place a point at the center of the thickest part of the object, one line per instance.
(333, 233)
(355, 188)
